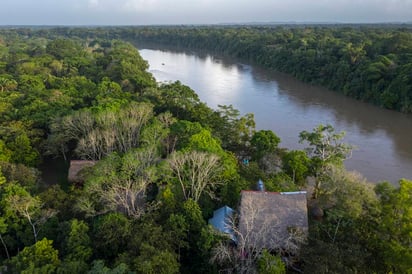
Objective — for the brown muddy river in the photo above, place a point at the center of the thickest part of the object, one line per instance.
(287, 106)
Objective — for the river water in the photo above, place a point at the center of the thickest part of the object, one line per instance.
(287, 106)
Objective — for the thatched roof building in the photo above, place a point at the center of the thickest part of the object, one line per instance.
(273, 220)
(76, 168)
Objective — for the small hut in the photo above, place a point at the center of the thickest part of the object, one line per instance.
(271, 219)
(76, 170)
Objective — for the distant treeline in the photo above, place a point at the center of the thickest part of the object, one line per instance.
(369, 64)
(165, 163)
(372, 63)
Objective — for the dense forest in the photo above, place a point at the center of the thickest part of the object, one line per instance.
(164, 161)
(369, 64)
(372, 63)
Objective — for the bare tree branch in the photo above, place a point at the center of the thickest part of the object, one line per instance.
(196, 172)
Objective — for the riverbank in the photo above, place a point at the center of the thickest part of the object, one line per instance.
(287, 106)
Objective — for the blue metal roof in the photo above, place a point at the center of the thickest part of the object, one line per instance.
(222, 221)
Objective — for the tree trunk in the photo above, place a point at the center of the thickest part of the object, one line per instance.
(5, 247)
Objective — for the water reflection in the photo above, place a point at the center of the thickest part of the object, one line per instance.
(348, 113)
(287, 106)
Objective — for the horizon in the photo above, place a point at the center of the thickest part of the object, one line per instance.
(257, 23)
(201, 12)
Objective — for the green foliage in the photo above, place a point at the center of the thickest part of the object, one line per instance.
(119, 183)
(18, 233)
(263, 142)
(182, 131)
(234, 130)
(124, 65)
(5, 153)
(181, 101)
(230, 192)
(152, 234)
(362, 62)
(76, 247)
(325, 146)
(280, 182)
(395, 230)
(57, 199)
(7, 84)
(270, 264)
(31, 84)
(296, 164)
(325, 149)
(38, 258)
(95, 99)
(252, 173)
(21, 207)
(168, 199)
(77, 244)
(111, 232)
(3, 229)
(338, 257)
(178, 227)
(68, 267)
(153, 260)
(344, 241)
(347, 194)
(27, 177)
(193, 215)
(63, 48)
(156, 134)
(2, 178)
(23, 152)
(98, 267)
(203, 141)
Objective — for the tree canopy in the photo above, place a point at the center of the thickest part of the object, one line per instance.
(163, 161)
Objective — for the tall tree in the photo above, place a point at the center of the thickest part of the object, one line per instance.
(395, 227)
(99, 134)
(325, 149)
(296, 164)
(3, 224)
(264, 142)
(195, 172)
(31, 208)
(38, 258)
(119, 183)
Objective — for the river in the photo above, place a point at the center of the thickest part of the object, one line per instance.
(287, 106)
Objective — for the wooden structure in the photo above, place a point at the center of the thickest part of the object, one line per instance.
(273, 220)
(76, 170)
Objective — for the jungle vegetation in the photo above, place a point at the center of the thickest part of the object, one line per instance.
(165, 161)
(372, 63)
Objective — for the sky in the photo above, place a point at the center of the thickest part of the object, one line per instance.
(159, 12)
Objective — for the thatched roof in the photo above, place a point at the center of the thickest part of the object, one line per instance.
(75, 170)
(273, 220)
